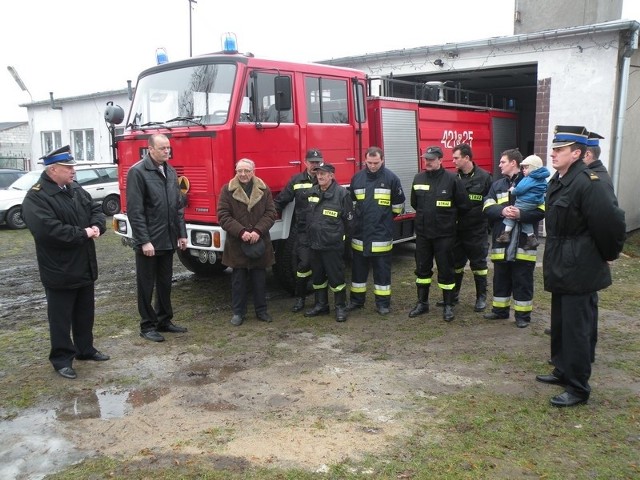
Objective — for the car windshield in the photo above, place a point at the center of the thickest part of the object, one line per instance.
(26, 181)
(191, 95)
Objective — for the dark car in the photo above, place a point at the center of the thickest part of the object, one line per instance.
(9, 175)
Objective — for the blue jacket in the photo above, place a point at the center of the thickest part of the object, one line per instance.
(532, 188)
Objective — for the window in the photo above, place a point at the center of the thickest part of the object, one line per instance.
(83, 144)
(51, 141)
(262, 87)
(326, 100)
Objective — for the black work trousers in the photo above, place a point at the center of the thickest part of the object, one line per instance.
(513, 278)
(240, 280)
(327, 267)
(472, 246)
(71, 316)
(440, 249)
(154, 272)
(571, 327)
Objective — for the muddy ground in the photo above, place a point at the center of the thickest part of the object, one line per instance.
(297, 392)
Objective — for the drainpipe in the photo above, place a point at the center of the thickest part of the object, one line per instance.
(623, 90)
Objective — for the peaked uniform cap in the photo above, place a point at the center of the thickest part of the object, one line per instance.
(314, 155)
(433, 153)
(594, 139)
(564, 135)
(326, 167)
(61, 156)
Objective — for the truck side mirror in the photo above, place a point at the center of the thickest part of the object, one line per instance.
(113, 114)
(282, 87)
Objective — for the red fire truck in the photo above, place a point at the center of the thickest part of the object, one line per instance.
(222, 107)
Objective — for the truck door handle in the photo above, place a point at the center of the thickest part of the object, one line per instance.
(350, 159)
(295, 162)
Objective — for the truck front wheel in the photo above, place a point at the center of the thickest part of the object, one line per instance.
(193, 264)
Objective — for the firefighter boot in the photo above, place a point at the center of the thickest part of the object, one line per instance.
(423, 302)
(301, 288)
(341, 307)
(481, 293)
(322, 304)
(456, 290)
(447, 311)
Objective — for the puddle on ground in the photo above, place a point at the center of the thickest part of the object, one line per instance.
(107, 403)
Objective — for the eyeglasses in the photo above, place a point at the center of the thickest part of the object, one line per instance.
(243, 170)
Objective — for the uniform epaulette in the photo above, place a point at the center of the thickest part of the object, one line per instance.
(36, 187)
(593, 176)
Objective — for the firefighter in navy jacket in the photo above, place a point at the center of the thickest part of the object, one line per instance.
(472, 241)
(298, 190)
(378, 196)
(437, 196)
(585, 230)
(329, 220)
(513, 266)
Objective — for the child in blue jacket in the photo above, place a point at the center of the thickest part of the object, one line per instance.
(529, 192)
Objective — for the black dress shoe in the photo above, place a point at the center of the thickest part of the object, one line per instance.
(264, 317)
(522, 323)
(67, 372)
(96, 357)
(171, 328)
(152, 335)
(547, 331)
(567, 399)
(237, 320)
(495, 316)
(550, 379)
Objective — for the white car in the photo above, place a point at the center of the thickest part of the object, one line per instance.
(100, 180)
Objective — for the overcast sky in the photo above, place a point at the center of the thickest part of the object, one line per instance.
(77, 47)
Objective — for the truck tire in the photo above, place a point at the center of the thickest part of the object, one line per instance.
(285, 267)
(111, 205)
(14, 218)
(194, 265)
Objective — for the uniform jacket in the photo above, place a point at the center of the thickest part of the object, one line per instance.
(495, 201)
(477, 183)
(57, 220)
(585, 229)
(297, 189)
(378, 197)
(598, 167)
(531, 188)
(437, 196)
(329, 218)
(154, 206)
(238, 213)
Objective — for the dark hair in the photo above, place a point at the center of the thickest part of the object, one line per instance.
(464, 149)
(595, 151)
(513, 154)
(578, 146)
(373, 151)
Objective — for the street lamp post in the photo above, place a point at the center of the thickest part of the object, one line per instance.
(16, 77)
(190, 31)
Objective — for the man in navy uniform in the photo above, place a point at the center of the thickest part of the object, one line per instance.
(585, 230)
(378, 196)
(298, 189)
(64, 222)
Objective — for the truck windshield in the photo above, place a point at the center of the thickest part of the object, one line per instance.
(198, 94)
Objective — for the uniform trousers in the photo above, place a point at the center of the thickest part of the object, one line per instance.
(71, 315)
(571, 326)
(381, 266)
(472, 246)
(441, 249)
(154, 272)
(513, 278)
(240, 279)
(303, 256)
(328, 266)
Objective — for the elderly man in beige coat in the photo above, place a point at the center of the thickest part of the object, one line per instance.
(246, 212)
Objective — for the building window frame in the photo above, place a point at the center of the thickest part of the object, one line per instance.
(83, 144)
(50, 140)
